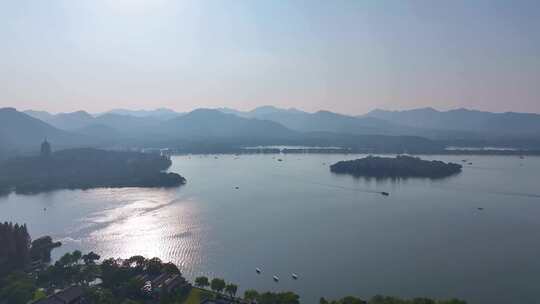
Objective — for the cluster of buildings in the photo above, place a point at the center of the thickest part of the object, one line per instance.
(70, 295)
(154, 285)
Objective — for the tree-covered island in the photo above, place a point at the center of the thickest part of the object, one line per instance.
(84, 169)
(401, 166)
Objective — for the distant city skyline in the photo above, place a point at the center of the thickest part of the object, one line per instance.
(348, 57)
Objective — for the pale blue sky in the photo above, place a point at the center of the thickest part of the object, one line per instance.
(345, 56)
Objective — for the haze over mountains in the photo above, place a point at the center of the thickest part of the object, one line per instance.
(464, 120)
(420, 129)
(20, 132)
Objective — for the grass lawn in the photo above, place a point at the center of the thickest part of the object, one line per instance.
(195, 296)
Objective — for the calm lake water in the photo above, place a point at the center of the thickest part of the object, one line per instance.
(427, 238)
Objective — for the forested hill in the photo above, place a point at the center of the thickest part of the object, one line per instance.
(86, 168)
(402, 166)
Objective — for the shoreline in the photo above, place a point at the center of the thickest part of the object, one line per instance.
(375, 152)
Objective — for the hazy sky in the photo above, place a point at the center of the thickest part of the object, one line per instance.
(345, 56)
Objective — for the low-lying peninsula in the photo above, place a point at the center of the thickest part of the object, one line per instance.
(85, 169)
(399, 167)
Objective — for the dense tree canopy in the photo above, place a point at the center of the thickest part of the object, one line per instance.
(202, 282)
(16, 288)
(86, 168)
(231, 289)
(217, 285)
(41, 248)
(400, 166)
(14, 247)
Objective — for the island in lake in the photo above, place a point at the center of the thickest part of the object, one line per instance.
(399, 167)
(84, 169)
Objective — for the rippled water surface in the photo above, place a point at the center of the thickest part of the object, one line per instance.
(427, 238)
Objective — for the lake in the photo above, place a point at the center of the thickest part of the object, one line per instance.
(428, 238)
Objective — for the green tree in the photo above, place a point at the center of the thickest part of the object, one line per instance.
(41, 248)
(133, 287)
(137, 261)
(154, 266)
(423, 301)
(90, 258)
(278, 298)
(76, 256)
(15, 249)
(17, 288)
(101, 296)
(170, 268)
(65, 260)
(352, 300)
(202, 282)
(231, 289)
(251, 295)
(453, 301)
(217, 285)
(39, 294)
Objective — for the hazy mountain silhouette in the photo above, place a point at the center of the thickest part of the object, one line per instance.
(82, 121)
(99, 132)
(21, 133)
(233, 111)
(261, 112)
(41, 115)
(324, 121)
(215, 127)
(463, 119)
(268, 110)
(214, 123)
(422, 129)
(161, 113)
(127, 124)
(64, 121)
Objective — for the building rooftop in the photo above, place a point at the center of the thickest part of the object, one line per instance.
(67, 296)
(70, 294)
(49, 300)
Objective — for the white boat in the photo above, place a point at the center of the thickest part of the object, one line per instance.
(276, 279)
(295, 276)
(258, 270)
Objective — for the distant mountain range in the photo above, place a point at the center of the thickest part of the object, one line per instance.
(322, 121)
(510, 123)
(420, 129)
(20, 133)
(161, 113)
(65, 121)
(215, 124)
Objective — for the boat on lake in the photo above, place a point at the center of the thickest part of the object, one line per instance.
(276, 279)
(385, 193)
(258, 270)
(295, 276)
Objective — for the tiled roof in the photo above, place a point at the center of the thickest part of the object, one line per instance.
(49, 300)
(70, 294)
